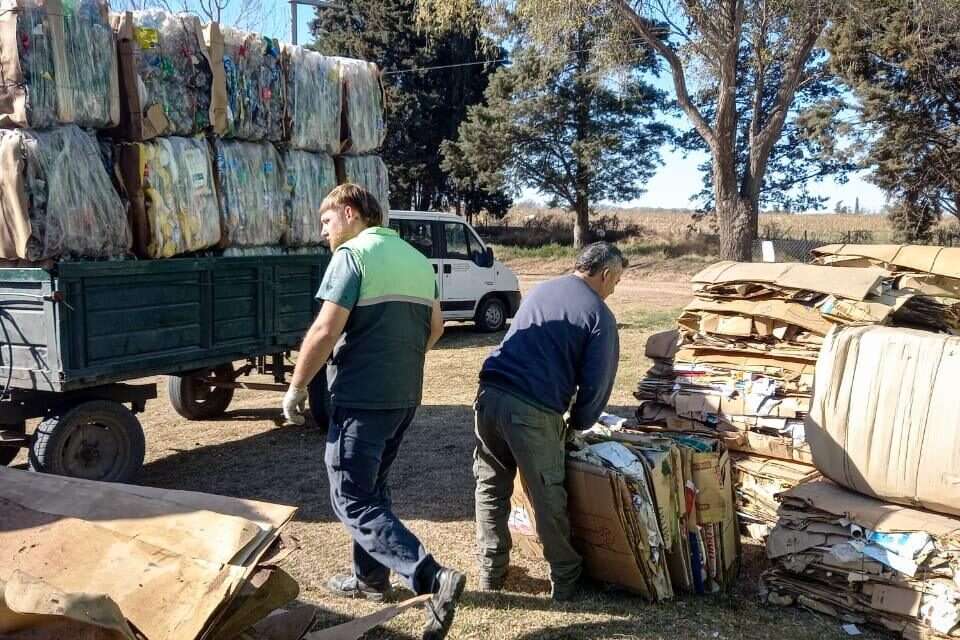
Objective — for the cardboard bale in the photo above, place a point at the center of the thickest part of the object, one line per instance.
(369, 172)
(57, 199)
(255, 86)
(173, 199)
(364, 127)
(314, 100)
(865, 561)
(252, 191)
(166, 75)
(60, 64)
(871, 432)
(310, 177)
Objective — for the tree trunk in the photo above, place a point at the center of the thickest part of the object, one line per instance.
(737, 231)
(581, 224)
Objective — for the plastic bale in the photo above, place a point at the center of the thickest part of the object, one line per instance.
(173, 199)
(310, 177)
(252, 193)
(59, 64)
(166, 75)
(370, 173)
(255, 86)
(314, 100)
(363, 106)
(56, 198)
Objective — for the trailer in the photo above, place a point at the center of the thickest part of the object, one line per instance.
(73, 337)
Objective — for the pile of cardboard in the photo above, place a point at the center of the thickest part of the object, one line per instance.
(652, 513)
(741, 363)
(104, 561)
(865, 561)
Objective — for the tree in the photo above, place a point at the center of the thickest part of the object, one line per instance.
(704, 45)
(558, 124)
(902, 59)
(430, 80)
(806, 150)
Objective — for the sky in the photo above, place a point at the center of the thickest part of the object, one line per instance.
(675, 183)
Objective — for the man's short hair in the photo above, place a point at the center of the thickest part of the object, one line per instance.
(359, 199)
(599, 256)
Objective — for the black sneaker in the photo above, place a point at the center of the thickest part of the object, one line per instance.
(349, 586)
(441, 607)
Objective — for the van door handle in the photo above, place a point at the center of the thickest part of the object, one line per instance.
(447, 268)
(435, 270)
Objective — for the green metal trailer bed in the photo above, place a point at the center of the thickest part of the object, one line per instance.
(71, 336)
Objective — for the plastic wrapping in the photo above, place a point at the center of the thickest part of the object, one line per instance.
(310, 177)
(370, 173)
(59, 64)
(314, 100)
(255, 86)
(166, 75)
(363, 98)
(173, 199)
(252, 193)
(56, 198)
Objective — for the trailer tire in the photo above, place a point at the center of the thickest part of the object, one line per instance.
(191, 400)
(95, 440)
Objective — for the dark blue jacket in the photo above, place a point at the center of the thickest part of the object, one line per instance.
(562, 342)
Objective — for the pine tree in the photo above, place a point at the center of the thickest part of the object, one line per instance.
(424, 104)
(555, 122)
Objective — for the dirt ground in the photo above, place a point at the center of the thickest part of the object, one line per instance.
(247, 453)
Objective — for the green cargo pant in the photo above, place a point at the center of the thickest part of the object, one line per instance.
(512, 434)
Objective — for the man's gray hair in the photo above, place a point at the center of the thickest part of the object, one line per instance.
(599, 256)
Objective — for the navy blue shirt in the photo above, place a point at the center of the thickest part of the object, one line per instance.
(562, 342)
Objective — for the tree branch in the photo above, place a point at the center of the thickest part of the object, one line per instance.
(676, 67)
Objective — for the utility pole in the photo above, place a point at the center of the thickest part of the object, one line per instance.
(320, 4)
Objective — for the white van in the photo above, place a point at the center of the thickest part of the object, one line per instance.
(473, 286)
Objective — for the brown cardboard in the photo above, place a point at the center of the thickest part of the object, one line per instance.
(883, 420)
(772, 309)
(663, 345)
(213, 38)
(942, 261)
(851, 283)
(596, 499)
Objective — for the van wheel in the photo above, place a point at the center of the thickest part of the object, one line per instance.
(491, 315)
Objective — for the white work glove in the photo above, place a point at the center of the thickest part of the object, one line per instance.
(294, 405)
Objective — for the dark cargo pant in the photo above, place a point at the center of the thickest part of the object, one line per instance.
(512, 434)
(362, 444)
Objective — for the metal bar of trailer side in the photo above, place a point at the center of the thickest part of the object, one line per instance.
(84, 324)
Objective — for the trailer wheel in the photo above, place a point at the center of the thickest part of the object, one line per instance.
(95, 440)
(195, 400)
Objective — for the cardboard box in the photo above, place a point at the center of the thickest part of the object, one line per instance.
(884, 415)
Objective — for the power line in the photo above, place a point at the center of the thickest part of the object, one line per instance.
(481, 62)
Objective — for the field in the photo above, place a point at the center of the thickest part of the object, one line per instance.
(247, 453)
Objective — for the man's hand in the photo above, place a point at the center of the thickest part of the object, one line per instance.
(294, 405)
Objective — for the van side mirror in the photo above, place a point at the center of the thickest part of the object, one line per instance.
(487, 258)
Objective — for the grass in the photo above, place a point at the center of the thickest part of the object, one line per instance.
(247, 453)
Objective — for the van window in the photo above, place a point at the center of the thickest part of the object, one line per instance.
(418, 233)
(461, 244)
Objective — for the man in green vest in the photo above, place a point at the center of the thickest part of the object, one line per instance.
(380, 315)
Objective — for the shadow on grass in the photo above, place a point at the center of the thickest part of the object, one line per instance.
(432, 478)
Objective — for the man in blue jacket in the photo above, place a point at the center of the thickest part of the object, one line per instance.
(560, 354)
